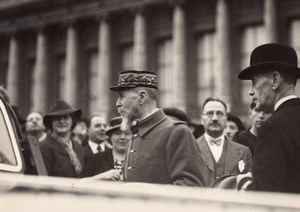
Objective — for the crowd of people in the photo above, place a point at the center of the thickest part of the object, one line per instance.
(152, 145)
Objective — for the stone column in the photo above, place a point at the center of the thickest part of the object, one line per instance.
(222, 71)
(104, 68)
(140, 41)
(270, 19)
(39, 76)
(179, 56)
(70, 86)
(13, 70)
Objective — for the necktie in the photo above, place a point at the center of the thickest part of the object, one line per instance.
(217, 141)
(99, 148)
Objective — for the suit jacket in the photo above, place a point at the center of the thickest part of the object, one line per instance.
(165, 152)
(98, 163)
(234, 154)
(277, 156)
(56, 158)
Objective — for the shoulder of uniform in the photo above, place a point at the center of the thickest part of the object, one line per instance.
(175, 123)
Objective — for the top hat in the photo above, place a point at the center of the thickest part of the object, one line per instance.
(134, 78)
(277, 57)
(61, 108)
(115, 124)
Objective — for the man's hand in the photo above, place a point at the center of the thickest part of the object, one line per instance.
(112, 174)
(108, 175)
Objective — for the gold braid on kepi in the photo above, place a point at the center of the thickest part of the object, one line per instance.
(134, 78)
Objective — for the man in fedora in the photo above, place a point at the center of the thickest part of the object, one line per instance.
(273, 71)
(162, 150)
(63, 157)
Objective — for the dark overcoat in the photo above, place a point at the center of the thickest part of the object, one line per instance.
(56, 158)
(164, 152)
(276, 164)
(98, 163)
(238, 159)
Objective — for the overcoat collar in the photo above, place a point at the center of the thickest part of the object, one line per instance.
(288, 103)
(149, 123)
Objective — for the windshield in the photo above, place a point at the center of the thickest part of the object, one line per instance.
(10, 159)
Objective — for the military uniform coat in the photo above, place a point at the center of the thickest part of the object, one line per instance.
(277, 156)
(235, 156)
(56, 158)
(164, 152)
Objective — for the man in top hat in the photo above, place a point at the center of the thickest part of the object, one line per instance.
(273, 71)
(162, 150)
(62, 156)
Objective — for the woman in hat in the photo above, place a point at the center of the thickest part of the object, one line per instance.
(62, 156)
(110, 164)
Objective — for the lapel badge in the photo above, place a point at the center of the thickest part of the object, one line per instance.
(241, 165)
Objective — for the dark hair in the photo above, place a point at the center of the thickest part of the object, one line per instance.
(236, 120)
(91, 117)
(214, 99)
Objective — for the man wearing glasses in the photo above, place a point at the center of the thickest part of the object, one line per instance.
(221, 156)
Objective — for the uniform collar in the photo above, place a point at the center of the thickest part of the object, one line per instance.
(151, 121)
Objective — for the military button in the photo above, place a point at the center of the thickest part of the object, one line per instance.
(130, 167)
(135, 135)
(132, 151)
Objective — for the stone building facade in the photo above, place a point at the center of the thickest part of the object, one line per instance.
(73, 49)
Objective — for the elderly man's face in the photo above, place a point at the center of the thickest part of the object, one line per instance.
(214, 118)
(34, 122)
(261, 91)
(128, 104)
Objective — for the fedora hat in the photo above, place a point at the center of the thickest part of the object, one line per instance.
(272, 56)
(134, 78)
(61, 108)
(114, 124)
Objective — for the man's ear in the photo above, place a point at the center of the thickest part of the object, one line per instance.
(143, 96)
(276, 80)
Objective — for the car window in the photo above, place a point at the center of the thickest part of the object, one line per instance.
(10, 156)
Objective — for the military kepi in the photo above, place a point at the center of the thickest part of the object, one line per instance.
(134, 78)
(272, 57)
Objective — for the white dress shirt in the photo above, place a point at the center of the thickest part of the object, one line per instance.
(215, 149)
(94, 146)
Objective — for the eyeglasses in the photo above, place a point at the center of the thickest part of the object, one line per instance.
(210, 114)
